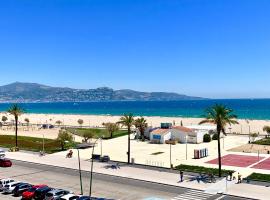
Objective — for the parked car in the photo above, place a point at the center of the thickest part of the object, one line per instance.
(70, 197)
(84, 198)
(21, 188)
(2, 153)
(41, 192)
(8, 189)
(29, 194)
(55, 194)
(104, 159)
(3, 182)
(4, 162)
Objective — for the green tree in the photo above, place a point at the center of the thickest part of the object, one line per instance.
(64, 137)
(267, 130)
(111, 128)
(254, 136)
(221, 116)
(88, 135)
(16, 111)
(127, 121)
(4, 119)
(80, 122)
(27, 122)
(58, 122)
(140, 123)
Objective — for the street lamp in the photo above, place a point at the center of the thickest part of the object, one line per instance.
(170, 155)
(80, 172)
(186, 146)
(92, 163)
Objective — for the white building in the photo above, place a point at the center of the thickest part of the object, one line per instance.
(160, 135)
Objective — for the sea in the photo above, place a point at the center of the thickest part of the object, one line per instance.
(243, 108)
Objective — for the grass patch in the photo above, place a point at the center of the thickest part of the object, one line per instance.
(30, 143)
(98, 132)
(157, 153)
(264, 141)
(203, 170)
(259, 177)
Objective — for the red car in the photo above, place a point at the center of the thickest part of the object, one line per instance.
(29, 194)
(4, 162)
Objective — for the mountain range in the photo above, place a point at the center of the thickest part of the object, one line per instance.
(34, 92)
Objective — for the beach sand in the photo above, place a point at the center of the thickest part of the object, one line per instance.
(97, 120)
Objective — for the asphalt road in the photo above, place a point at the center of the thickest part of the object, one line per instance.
(103, 185)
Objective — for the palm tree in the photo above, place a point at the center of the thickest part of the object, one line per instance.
(127, 120)
(267, 130)
(16, 111)
(221, 116)
(140, 123)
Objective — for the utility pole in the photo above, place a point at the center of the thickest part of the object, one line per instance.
(170, 155)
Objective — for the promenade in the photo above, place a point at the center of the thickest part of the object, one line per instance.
(146, 174)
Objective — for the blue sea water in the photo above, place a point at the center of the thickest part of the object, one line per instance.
(244, 108)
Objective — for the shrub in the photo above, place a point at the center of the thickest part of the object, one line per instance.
(215, 136)
(206, 138)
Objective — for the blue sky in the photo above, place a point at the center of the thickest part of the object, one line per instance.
(209, 48)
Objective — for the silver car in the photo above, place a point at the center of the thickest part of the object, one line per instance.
(5, 181)
(56, 194)
(8, 189)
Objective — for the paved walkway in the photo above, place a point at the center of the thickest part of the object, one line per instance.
(244, 190)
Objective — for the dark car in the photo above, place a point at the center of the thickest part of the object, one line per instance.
(41, 192)
(104, 159)
(4, 162)
(21, 188)
(92, 198)
(29, 194)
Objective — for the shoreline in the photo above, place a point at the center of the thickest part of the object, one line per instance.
(244, 127)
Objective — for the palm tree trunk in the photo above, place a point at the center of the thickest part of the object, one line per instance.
(219, 155)
(128, 145)
(16, 131)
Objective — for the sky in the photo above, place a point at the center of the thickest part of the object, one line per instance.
(207, 48)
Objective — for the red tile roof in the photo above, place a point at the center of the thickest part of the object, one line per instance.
(160, 131)
(183, 129)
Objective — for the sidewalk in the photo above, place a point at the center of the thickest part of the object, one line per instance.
(244, 190)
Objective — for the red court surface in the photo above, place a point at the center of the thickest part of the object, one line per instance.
(236, 160)
(263, 165)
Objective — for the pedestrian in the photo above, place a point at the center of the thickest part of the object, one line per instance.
(230, 174)
(239, 178)
(181, 176)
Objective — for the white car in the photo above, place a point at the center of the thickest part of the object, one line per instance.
(8, 189)
(2, 153)
(70, 197)
(5, 181)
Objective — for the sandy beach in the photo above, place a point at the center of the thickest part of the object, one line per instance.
(97, 120)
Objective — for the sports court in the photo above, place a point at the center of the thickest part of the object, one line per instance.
(263, 165)
(237, 160)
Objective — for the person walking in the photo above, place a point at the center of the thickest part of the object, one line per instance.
(230, 175)
(239, 178)
(181, 176)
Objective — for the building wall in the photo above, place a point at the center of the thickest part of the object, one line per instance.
(179, 135)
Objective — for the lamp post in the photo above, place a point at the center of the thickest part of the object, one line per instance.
(186, 146)
(80, 172)
(170, 155)
(43, 149)
(92, 163)
(101, 145)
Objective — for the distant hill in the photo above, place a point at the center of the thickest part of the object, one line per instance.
(33, 92)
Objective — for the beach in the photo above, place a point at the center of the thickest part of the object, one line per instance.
(244, 126)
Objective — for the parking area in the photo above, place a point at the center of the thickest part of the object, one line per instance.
(237, 160)
(103, 186)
